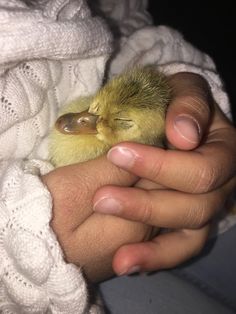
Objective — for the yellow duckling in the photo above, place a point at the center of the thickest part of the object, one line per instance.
(130, 107)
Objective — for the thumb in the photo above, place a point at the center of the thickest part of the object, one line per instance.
(189, 112)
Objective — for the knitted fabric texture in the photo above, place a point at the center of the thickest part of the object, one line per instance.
(50, 53)
(32, 90)
(34, 276)
(126, 16)
(167, 48)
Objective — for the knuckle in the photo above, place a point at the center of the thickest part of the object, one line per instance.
(196, 216)
(195, 103)
(155, 169)
(207, 179)
(146, 212)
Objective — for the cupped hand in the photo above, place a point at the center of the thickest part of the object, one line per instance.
(88, 239)
(181, 188)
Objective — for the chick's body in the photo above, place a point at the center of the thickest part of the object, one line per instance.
(130, 107)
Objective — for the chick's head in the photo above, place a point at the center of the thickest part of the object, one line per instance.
(132, 107)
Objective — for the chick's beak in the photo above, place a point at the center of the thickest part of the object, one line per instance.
(77, 123)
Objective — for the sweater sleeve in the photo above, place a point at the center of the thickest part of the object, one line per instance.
(33, 275)
(167, 49)
(50, 53)
(124, 16)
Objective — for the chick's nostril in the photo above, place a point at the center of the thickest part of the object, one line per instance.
(83, 120)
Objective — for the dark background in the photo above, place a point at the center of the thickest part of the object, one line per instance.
(209, 26)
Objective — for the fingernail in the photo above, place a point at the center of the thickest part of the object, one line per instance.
(188, 128)
(130, 271)
(121, 156)
(107, 205)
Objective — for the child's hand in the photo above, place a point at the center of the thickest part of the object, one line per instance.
(188, 188)
(89, 239)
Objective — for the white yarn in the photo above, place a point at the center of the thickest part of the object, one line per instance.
(58, 30)
(51, 53)
(128, 16)
(167, 49)
(32, 91)
(34, 275)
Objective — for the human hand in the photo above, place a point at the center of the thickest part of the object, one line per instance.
(89, 239)
(181, 189)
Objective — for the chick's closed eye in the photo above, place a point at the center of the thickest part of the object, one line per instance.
(130, 107)
(124, 123)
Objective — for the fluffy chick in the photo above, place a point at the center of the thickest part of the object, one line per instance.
(130, 107)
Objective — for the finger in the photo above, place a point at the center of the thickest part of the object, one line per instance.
(162, 208)
(165, 251)
(196, 171)
(148, 185)
(93, 244)
(188, 114)
(72, 188)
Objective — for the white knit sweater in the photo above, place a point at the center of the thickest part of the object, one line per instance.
(51, 53)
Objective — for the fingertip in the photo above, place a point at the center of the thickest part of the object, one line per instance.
(122, 156)
(183, 131)
(125, 261)
(189, 112)
(120, 263)
(133, 258)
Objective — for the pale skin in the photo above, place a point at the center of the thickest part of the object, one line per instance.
(104, 209)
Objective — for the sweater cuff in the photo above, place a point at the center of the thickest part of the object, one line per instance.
(34, 278)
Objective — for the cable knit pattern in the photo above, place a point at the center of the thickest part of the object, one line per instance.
(38, 282)
(32, 91)
(52, 52)
(61, 30)
(31, 94)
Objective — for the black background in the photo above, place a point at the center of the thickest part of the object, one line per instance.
(209, 26)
